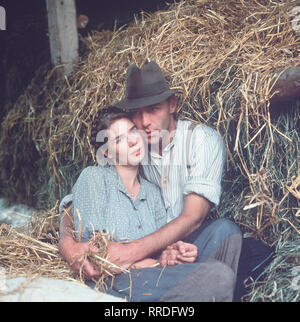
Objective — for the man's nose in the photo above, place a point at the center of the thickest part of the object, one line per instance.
(145, 119)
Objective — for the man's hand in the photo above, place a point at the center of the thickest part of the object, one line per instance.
(121, 254)
(75, 254)
(178, 253)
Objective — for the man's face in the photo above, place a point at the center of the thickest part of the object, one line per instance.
(156, 120)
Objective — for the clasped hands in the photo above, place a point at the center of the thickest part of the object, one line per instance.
(178, 253)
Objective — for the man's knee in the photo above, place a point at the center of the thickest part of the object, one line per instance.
(211, 281)
(226, 226)
(225, 282)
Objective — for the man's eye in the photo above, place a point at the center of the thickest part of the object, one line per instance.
(133, 114)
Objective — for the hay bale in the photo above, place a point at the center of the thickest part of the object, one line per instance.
(224, 58)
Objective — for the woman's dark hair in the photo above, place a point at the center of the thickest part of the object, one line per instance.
(103, 120)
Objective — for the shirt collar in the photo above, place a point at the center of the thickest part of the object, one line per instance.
(119, 183)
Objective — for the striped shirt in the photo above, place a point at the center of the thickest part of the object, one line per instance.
(177, 178)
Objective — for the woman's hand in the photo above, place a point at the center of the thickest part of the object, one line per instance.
(75, 254)
(178, 253)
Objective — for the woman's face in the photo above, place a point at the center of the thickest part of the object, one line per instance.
(125, 143)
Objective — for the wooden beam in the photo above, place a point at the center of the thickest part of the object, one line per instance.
(2, 18)
(63, 34)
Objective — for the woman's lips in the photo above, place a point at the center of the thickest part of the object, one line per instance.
(136, 152)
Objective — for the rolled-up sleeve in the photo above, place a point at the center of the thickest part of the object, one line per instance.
(65, 202)
(207, 158)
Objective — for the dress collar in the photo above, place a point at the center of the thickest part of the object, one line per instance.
(119, 183)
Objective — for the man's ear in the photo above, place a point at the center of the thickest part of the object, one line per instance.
(173, 104)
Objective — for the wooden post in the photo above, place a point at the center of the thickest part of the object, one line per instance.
(63, 34)
(2, 18)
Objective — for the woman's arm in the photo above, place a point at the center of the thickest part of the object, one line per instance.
(74, 251)
(88, 200)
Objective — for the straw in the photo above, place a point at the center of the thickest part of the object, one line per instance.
(32, 251)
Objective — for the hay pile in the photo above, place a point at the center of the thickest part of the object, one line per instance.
(224, 58)
(32, 251)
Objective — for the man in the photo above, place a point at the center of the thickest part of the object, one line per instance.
(187, 164)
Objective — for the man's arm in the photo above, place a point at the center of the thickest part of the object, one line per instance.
(195, 211)
(196, 208)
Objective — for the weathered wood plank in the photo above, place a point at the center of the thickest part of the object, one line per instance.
(63, 33)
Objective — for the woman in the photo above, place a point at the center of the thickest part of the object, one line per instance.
(113, 196)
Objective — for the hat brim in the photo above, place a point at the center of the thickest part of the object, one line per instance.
(128, 104)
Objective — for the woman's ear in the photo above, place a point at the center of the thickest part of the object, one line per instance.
(107, 155)
(102, 157)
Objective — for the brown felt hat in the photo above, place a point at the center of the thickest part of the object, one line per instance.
(144, 87)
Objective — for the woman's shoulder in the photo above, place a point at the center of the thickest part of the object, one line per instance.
(91, 177)
(95, 171)
(149, 186)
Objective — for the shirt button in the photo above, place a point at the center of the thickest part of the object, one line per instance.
(165, 180)
(139, 227)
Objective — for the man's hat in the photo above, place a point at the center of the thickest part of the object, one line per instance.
(144, 87)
